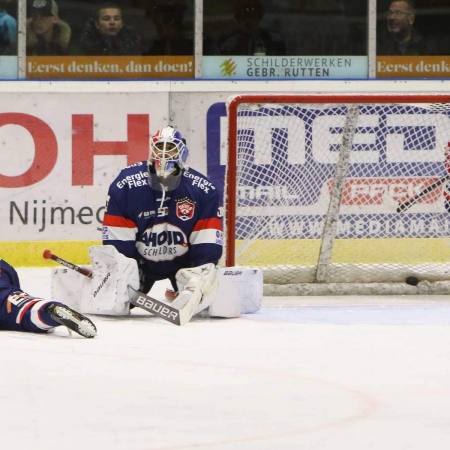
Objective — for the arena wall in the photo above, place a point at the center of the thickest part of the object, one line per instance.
(62, 144)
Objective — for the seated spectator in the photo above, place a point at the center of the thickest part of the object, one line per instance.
(168, 16)
(8, 30)
(106, 34)
(249, 38)
(47, 34)
(400, 37)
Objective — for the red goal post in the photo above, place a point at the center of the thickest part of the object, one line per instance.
(339, 194)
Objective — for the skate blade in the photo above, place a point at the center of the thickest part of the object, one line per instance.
(83, 327)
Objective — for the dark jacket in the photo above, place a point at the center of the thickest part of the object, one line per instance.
(417, 46)
(92, 43)
(58, 46)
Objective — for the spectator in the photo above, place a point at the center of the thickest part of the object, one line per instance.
(47, 34)
(401, 38)
(168, 16)
(106, 34)
(249, 38)
(8, 30)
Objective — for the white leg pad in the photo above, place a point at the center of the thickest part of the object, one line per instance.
(112, 273)
(71, 288)
(239, 291)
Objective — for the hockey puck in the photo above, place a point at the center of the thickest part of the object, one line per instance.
(412, 281)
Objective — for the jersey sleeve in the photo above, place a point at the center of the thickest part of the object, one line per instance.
(9, 274)
(206, 239)
(118, 230)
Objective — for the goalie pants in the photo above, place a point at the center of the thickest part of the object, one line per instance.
(21, 312)
(148, 280)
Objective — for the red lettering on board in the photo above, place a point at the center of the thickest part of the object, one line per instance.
(84, 148)
(45, 155)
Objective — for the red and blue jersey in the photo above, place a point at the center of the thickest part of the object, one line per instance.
(167, 231)
(18, 310)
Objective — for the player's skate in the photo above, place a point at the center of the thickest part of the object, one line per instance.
(72, 320)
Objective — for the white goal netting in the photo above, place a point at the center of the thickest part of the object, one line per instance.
(317, 189)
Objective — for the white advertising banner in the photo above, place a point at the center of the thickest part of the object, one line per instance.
(59, 153)
(285, 67)
(61, 146)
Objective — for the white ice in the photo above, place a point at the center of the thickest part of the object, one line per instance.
(304, 373)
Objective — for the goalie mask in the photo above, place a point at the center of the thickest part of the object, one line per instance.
(168, 155)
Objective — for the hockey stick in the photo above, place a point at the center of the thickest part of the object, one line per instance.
(401, 207)
(174, 315)
(171, 295)
(163, 310)
(49, 255)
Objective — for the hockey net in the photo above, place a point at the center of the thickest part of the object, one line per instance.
(316, 192)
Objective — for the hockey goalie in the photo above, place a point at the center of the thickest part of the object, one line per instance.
(162, 222)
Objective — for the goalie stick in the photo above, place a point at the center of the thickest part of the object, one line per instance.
(174, 315)
(170, 295)
(401, 207)
(137, 298)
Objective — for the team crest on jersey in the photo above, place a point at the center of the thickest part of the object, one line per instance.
(185, 209)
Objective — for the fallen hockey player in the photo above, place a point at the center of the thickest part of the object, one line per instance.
(20, 311)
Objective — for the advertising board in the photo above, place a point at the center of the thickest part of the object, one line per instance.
(59, 151)
(397, 152)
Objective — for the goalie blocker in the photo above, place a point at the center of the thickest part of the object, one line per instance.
(223, 292)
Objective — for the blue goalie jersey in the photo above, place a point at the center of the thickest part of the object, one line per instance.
(167, 231)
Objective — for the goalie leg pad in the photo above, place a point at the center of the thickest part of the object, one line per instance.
(226, 292)
(112, 273)
(71, 288)
(239, 291)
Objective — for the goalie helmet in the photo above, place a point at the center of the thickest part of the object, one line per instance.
(168, 155)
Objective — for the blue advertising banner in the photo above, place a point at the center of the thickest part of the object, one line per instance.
(398, 150)
(8, 67)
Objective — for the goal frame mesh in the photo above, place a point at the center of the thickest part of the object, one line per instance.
(318, 287)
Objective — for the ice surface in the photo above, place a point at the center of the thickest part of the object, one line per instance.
(304, 373)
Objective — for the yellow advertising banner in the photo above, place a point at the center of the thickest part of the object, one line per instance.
(106, 67)
(413, 67)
